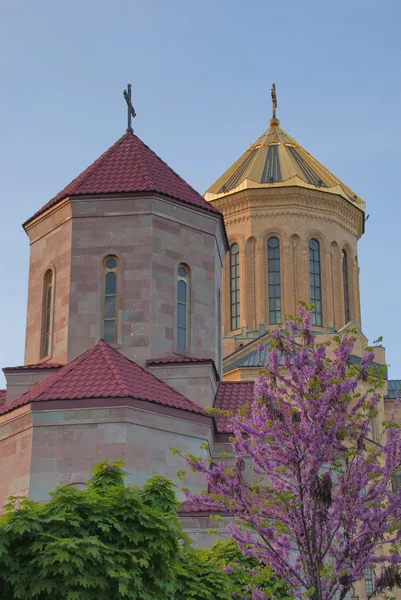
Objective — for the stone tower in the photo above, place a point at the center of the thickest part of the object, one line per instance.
(293, 229)
(130, 253)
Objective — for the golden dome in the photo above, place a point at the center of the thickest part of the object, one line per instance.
(277, 160)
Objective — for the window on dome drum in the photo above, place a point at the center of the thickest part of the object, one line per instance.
(396, 480)
(315, 282)
(47, 314)
(110, 276)
(346, 287)
(273, 254)
(182, 307)
(234, 286)
(368, 581)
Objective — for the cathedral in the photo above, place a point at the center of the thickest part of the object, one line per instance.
(147, 303)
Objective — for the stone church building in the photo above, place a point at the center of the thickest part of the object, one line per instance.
(147, 301)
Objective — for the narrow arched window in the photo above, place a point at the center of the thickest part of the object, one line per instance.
(273, 254)
(234, 286)
(182, 307)
(110, 276)
(47, 317)
(346, 287)
(315, 282)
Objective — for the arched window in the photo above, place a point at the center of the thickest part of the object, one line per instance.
(346, 287)
(182, 307)
(47, 317)
(315, 282)
(110, 276)
(273, 254)
(234, 286)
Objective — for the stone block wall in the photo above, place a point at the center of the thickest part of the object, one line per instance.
(150, 236)
(50, 248)
(66, 444)
(15, 453)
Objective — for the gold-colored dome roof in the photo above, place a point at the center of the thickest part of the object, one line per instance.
(277, 160)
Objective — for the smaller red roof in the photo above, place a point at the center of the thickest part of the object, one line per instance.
(191, 508)
(170, 360)
(39, 366)
(2, 398)
(130, 166)
(103, 372)
(231, 396)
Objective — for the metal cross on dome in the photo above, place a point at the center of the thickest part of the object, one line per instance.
(131, 111)
(274, 99)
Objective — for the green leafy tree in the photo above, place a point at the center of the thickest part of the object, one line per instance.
(105, 542)
(112, 542)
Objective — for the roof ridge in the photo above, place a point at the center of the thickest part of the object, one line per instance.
(144, 371)
(105, 347)
(171, 169)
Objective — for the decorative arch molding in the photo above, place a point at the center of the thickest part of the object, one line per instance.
(236, 238)
(273, 232)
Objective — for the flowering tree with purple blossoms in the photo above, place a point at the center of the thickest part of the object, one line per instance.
(320, 507)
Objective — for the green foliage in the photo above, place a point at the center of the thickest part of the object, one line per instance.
(105, 542)
(247, 573)
(109, 542)
(222, 572)
(201, 579)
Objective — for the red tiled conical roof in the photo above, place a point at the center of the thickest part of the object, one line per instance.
(130, 166)
(103, 372)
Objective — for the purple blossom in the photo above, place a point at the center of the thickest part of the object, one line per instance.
(322, 494)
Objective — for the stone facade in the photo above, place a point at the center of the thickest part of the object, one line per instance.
(43, 448)
(150, 237)
(294, 215)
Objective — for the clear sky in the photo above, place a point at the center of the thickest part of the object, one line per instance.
(201, 74)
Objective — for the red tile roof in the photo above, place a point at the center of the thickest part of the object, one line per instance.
(169, 360)
(103, 372)
(130, 166)
(231, 395)
(189, 507)
(36, 366)
(176, 359)
(2, 398)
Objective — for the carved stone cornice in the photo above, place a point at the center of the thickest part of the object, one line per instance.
(294, 201)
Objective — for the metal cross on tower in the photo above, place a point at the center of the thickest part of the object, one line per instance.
(131, 111)
(274, 99)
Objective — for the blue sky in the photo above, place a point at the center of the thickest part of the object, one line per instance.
(201, 74)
